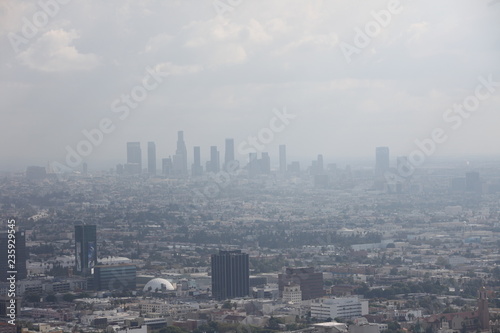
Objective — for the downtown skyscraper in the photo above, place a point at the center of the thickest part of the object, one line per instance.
(282, 158)
(134, 158)
(229, 153)
(214, 164)
(381, 161)
(180, 157)
(152, 158)
(196, 168)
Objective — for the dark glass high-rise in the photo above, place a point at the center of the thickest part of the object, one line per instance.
(85, 249)
(230, 275)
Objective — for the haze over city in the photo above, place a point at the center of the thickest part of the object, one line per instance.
(249, 166)
(230, 67)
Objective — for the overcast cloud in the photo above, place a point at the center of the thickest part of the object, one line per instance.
(228, 72)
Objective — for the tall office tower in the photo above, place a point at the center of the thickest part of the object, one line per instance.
(85, 168)
(152, 158)
(197, 169)
(134, 158)
(320, 166)
(228, 153)
(294, 167)
(20, 255)
(230, 274)
(483, 311)
(282, 158)
(214, 160)
(180, 157)
(314, 168)
(265, 163)
(253, 165)
(85, 249)
(472, 182)
(381, 161)
(167, 166)
(310, 282)
(36, 172)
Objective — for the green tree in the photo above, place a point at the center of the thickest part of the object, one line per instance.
(172, 329)
(210, 327)
(51, 298)
(274, 323)
(443, 262)
(32, 298)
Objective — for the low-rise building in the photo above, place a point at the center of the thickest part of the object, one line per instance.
(292, 293)
(341, 307)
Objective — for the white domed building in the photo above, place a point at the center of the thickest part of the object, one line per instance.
(158, 285)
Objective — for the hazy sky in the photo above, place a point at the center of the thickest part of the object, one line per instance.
(231, 62)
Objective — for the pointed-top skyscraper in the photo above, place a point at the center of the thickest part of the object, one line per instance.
(180, 157)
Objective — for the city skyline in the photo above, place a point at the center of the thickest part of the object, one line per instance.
(106, 162)
(213, 162)
(218, 76)
(250, 166)
(399, 163)
(382, 161)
